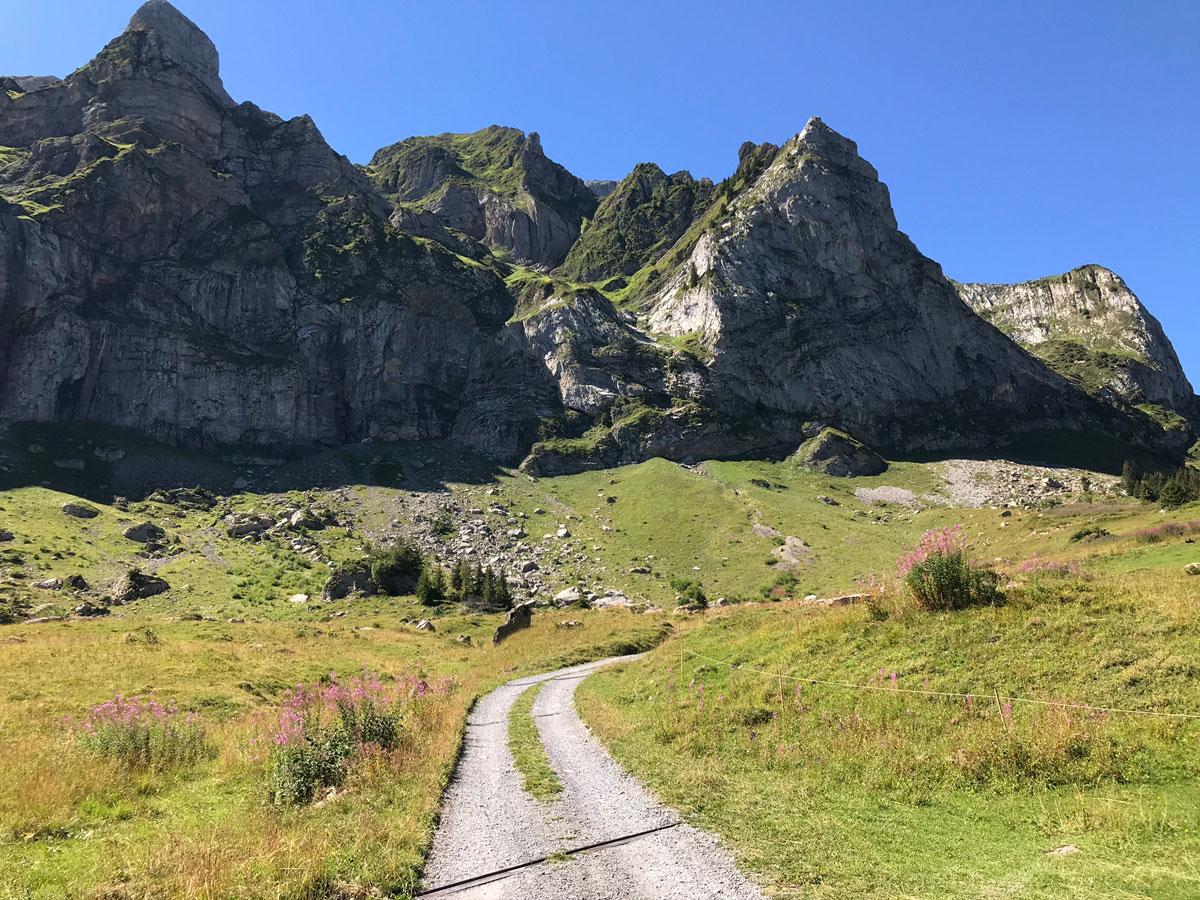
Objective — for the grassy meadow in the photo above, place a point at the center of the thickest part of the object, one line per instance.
(825, 792)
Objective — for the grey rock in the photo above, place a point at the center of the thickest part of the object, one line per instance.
(1092, 313)
(136, 585)
(425, 625)
(567, 596)
(1192, 568)
(6, 536)
(518, 617)
(80, 510)
(89, 609)
(69, 463)
(242, 524)
(144, 532)
(49, 584)
(836, 453)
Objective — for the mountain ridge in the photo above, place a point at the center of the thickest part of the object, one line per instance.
(210, 273)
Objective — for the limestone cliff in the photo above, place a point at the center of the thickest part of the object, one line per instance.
(814, 305)
(209, 273)
(1090, 327)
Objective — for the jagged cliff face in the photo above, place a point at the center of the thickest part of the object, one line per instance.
(206, 272)
(814, 304)
(495, 185)
(1090, 327)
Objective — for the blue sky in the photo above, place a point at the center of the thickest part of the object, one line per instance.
(1019, 139)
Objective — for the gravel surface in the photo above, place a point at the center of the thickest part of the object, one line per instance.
(489, 822)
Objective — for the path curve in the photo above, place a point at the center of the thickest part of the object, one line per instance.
(488, 822)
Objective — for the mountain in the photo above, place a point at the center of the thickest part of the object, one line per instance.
(1088, 326)
(211, 274)
(495, 185)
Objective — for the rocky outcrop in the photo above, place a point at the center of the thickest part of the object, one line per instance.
(835, 453)
(1090, 327)
(136, 585)
(602, 187)
(496, 186)
(518, 617)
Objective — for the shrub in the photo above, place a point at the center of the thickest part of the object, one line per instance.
(143, 734)
(938, 575)
(690, 592)
(395, 570)
(323, 730)
(1089, 533)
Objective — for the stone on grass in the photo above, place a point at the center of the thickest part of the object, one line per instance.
(144, 532)
(80, 510)
(518, 617)
(1192, 568)
(135, 585)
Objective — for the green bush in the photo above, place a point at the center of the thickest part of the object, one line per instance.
(395, 571)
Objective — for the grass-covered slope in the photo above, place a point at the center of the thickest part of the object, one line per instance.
(73, 824)
(830, 792)
(635, 224)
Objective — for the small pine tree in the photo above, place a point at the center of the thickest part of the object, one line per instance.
(1129, 479)
(425, 589)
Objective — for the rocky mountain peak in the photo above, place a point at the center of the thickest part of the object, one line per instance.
(180, 41)
(818, 139)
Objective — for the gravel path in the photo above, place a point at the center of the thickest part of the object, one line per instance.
(489, 822)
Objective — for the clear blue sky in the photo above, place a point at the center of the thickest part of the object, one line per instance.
(1019, 139)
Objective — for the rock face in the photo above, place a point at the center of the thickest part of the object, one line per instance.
(1090, 327)
(495, 185)
(813, 304)
(210, 274)
(207, 272)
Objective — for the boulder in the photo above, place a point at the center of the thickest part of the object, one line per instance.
(527, 566)
(570, 623)
(518, 617)
(463, 639)
(69, 463)
(298, 598)
(567, 596)
(611, 599)
(1192, 568)
(835, 453)
(6, 536)
(80, 510)
(242, 524)
(144, 533)
(49, 584)
(425, 625)
(135, 585)
(88, 609)
(76, 582)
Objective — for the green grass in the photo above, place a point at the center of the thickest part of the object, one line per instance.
(528, 752)
(72, 825)
(837, 793)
